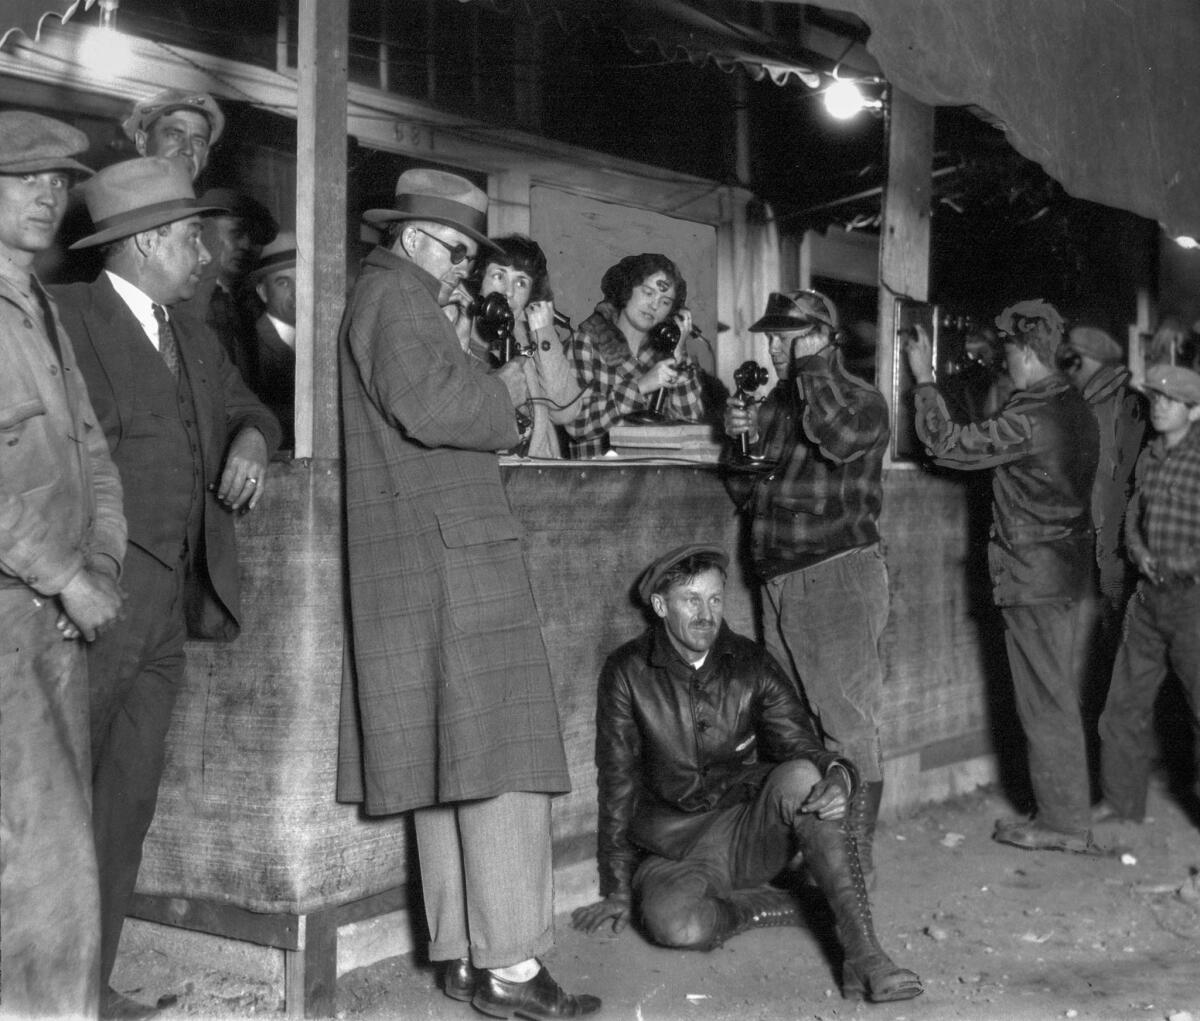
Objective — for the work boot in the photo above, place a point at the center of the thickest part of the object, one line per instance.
(761, 907)
(832, 859)
(862, 816)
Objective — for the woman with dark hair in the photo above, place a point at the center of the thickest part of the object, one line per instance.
(519, 272)
(618, 370)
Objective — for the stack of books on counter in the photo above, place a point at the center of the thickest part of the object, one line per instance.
(687, 441)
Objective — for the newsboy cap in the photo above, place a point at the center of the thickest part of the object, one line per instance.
(137, 195)
(278, 254)
(31, 144)
(147, 111)
(441, 198)
(654, 574)
(260, 224)
(795, 310)
(1094, 343)
(1175, 381)
(1033, 308)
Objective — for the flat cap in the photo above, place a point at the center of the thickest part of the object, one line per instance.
(1094, 343)
(1034, 308)
(654, 574)
(31, 143)
(147, 111)
(1175, 381)
(260, 224)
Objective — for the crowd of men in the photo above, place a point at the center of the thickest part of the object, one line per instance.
(133, 433)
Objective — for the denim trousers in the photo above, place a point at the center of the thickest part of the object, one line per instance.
(824, 623)
(1161, 631)
(1048, 652)
(487, 878)
(745, 846)
(49, 900)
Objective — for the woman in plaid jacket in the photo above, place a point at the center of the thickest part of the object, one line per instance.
(618, 370)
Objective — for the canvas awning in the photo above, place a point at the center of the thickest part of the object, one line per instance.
(1104, 96)
(28, 16)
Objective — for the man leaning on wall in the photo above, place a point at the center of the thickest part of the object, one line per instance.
(62, 541)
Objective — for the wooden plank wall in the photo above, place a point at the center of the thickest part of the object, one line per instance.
(247, 813)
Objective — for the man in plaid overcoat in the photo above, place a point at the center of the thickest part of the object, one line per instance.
(449, 709)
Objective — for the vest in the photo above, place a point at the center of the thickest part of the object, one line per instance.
(162, 466)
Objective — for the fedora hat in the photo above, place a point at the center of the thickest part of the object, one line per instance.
(440, 197)
(279, 254)
(147, 111)
(31, 144)
(260, 223)
(795, 310)
(136, 195)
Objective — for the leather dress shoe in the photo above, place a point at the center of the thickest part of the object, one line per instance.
(458, 980)
(539, 999)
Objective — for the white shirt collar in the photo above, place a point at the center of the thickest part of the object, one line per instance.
(140, 304)
(286, 333)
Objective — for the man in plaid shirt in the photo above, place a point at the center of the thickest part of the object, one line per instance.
(816, 534)
(1162, 621)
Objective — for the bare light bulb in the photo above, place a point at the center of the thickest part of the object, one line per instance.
(843, 100)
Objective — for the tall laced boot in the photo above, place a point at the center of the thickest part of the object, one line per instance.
(761, 907)
(832, 858)
(862, 816)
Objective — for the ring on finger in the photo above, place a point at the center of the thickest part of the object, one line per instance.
(253, 481)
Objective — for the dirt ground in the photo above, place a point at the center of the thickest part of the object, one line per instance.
(994, 931)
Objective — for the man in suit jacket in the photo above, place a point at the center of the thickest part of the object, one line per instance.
(62, 540)
(274, 378)
(451, 710)
(192, 445)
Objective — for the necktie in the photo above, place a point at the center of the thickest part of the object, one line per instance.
(168, 346)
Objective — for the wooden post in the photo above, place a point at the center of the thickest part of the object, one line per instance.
(320, 221)
(904, 241)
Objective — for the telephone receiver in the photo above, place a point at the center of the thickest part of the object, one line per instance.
(494, 321)
(663, 339)
(748, 377)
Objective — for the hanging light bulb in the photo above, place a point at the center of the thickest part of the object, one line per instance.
(105, 50)
(1183, 241)
(843, 99)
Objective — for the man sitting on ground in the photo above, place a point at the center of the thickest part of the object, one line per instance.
(710, 761)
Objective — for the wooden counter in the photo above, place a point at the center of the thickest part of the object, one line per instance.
(247, 819)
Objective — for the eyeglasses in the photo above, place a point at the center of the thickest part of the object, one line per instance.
(458, 251)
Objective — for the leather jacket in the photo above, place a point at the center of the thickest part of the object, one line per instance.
(674, 745)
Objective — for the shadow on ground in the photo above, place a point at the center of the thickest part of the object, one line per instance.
(994, 931)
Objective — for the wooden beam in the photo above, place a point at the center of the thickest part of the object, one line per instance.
(320, 221)
(904, 242)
